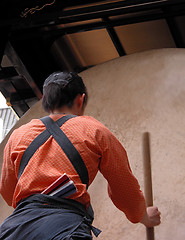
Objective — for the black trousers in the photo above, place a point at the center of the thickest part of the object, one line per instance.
(42, 217)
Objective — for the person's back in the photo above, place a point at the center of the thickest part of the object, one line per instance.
(49, 162)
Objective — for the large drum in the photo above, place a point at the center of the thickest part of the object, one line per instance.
(131, 95)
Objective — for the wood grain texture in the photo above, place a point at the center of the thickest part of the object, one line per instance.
(148, 179)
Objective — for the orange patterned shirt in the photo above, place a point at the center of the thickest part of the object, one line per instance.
(100, 151)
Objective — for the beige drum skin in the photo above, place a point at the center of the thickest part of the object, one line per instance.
(131, 95)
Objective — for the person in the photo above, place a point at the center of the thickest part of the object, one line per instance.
(40, 216)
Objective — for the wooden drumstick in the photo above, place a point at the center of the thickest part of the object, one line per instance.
(147, 179)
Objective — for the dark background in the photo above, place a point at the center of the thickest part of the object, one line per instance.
(68, 35)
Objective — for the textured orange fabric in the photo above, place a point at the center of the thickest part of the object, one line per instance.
(99, 149)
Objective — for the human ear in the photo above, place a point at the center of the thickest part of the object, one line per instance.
(79, 103)
(80, 100)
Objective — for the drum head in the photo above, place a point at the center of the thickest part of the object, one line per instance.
(131, 95)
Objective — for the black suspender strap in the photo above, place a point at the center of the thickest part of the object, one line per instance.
(36, 143)
(68, 148)
(53, 128)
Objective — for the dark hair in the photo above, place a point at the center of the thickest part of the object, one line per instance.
(60, 89)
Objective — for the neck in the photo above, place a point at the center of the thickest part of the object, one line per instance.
(64, 110)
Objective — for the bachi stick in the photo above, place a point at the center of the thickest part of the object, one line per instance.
(147, 179)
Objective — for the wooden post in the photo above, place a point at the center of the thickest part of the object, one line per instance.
(147, 179)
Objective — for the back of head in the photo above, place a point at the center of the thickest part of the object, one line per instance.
(60, 89)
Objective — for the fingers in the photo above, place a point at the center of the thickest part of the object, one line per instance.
(154, 216)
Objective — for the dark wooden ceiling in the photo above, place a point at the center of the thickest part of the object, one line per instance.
(42, 36)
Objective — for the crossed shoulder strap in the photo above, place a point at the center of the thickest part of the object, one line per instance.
(53, 128)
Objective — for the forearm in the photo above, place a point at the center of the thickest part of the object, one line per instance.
(132, 203)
